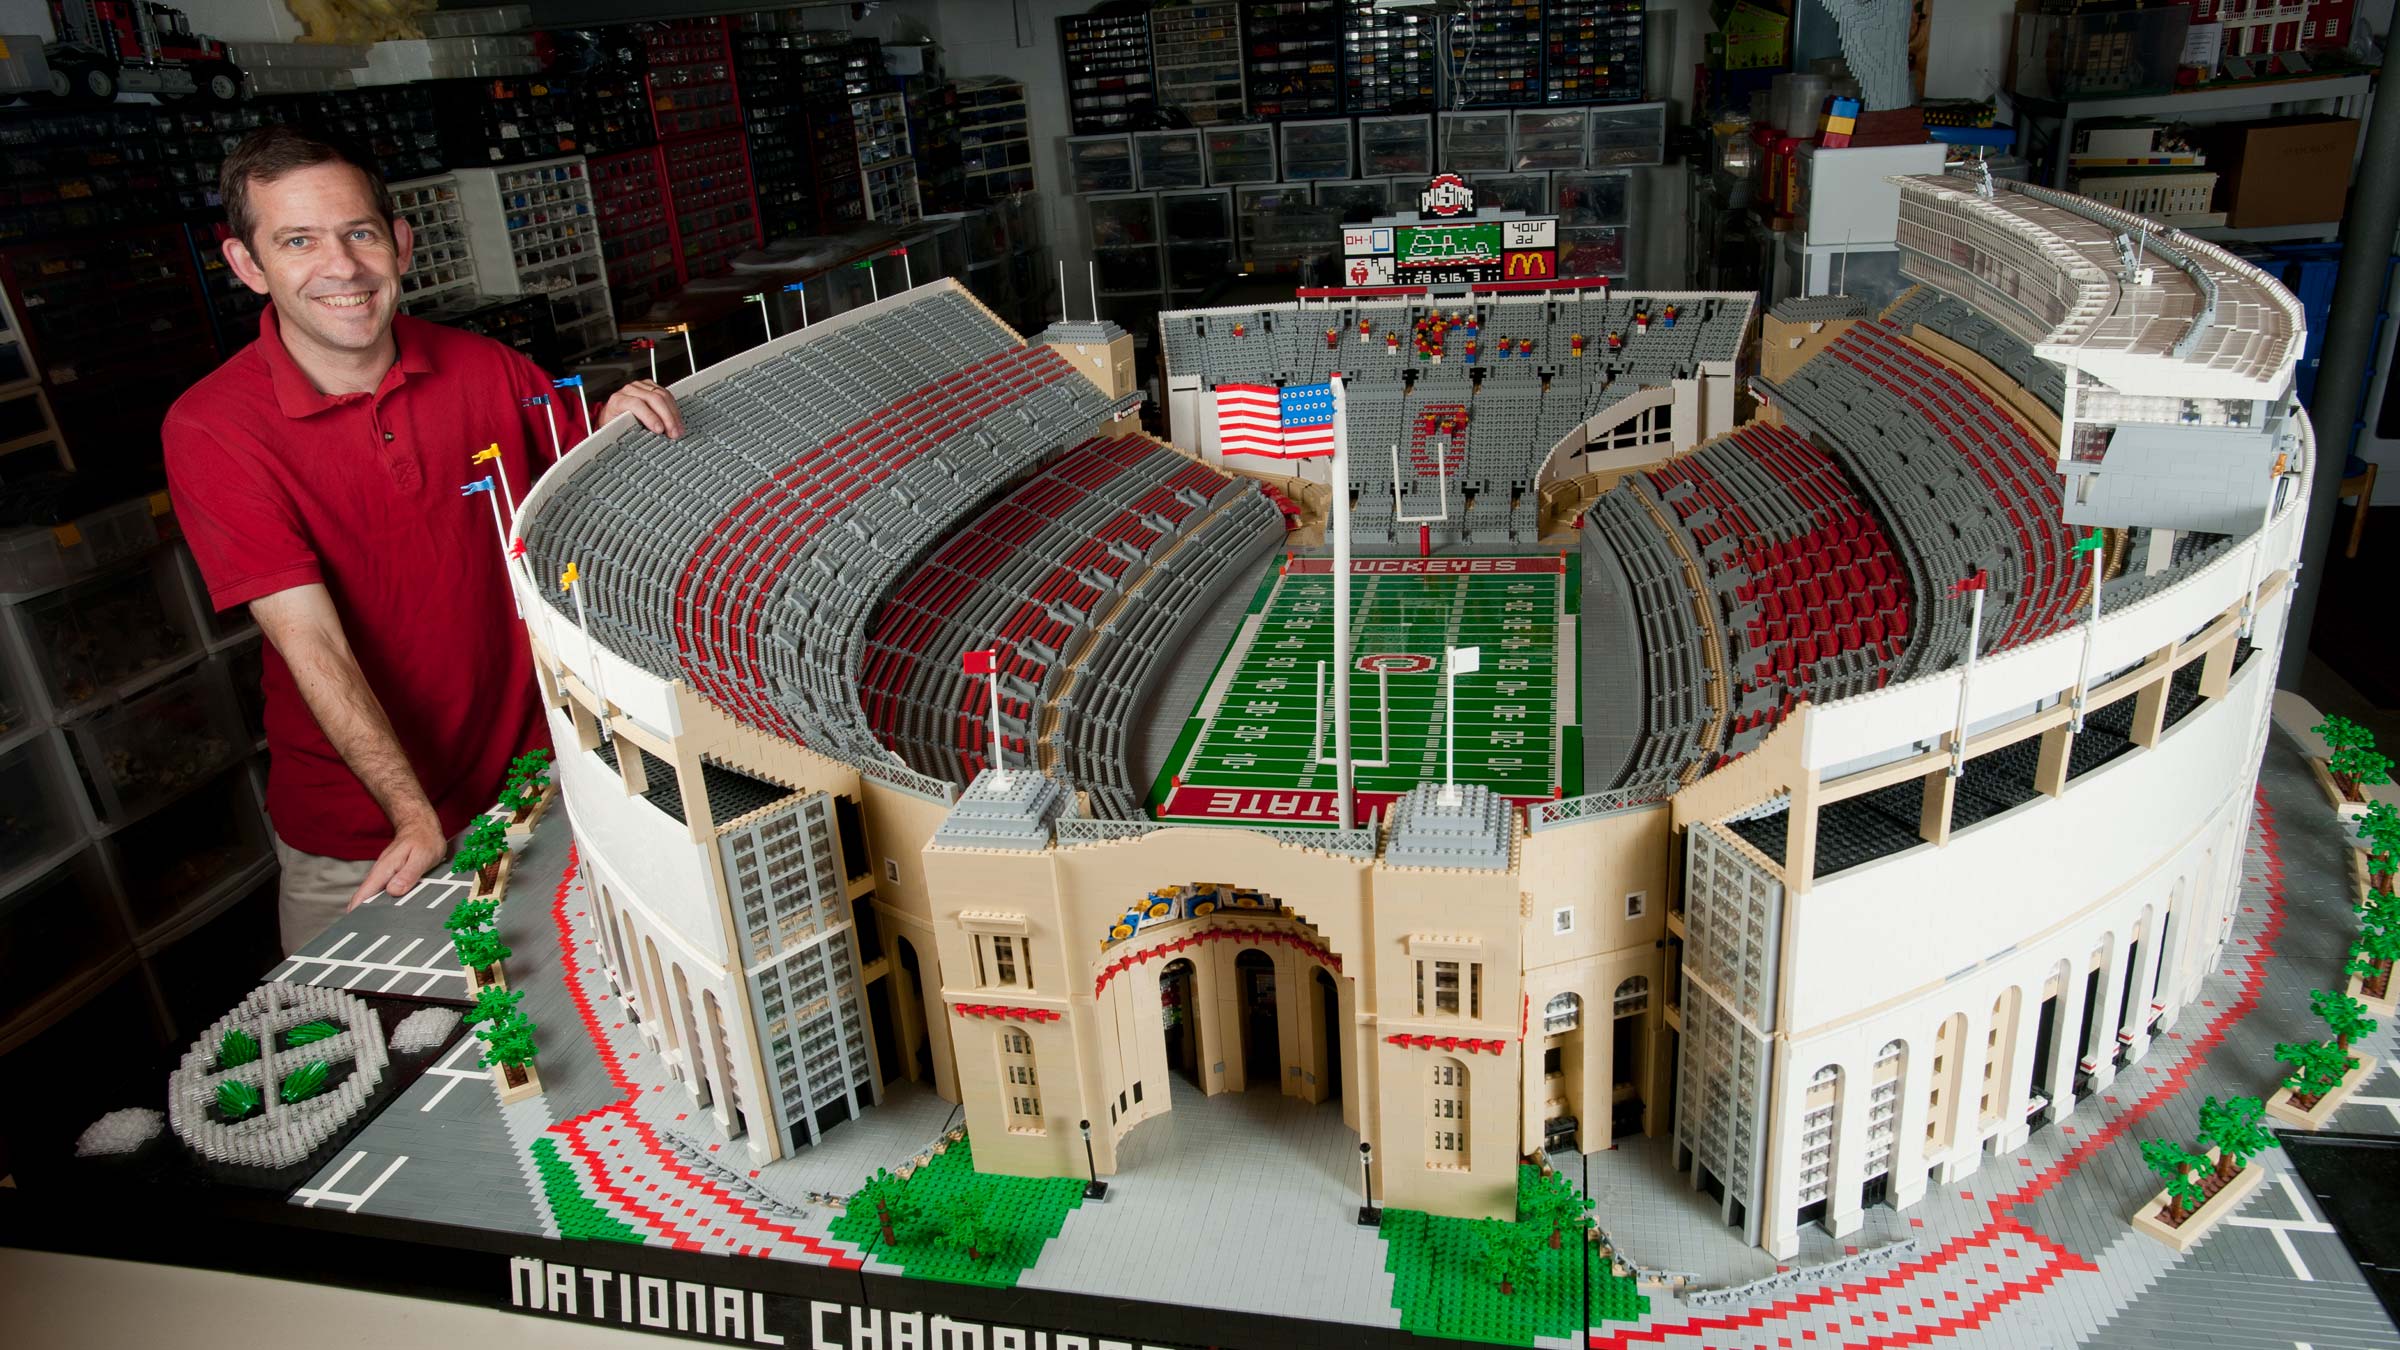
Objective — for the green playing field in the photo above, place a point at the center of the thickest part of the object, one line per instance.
(1257, 747)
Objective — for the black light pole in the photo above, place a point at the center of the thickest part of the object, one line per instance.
(1368, 1215)
(1095, 1189)
(1585, 1249)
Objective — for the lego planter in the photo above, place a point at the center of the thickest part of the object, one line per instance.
(509, 1051)
(2349, 767)
(2165, 1216)
(475, 940)
(2318, 1087)
(484, 855)
(526, 795)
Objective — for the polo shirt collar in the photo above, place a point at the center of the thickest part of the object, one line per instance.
(297, 396)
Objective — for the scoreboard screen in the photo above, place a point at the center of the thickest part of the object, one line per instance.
(1463, 244)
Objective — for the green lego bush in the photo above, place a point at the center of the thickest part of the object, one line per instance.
(956, 1224)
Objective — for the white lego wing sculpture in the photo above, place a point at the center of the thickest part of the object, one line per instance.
(1875, 43)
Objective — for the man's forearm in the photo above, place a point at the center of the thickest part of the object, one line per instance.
(309, 638)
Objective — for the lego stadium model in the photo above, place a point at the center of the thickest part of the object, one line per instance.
(1809, 832)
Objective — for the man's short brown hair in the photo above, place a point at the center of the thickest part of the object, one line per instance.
(273, 151)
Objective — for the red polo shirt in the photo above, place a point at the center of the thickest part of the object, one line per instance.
(277, 485)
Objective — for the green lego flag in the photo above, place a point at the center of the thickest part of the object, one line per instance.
(2089, 543)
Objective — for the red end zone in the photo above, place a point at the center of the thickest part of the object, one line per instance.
(1360, 567)
(1266, 806)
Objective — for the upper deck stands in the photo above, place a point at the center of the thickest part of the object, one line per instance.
(2048, 266)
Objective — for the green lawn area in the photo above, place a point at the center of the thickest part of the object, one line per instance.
(930, 1220)
(1442, 1287)
(579, 1216)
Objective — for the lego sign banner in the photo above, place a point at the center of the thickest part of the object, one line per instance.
(1531, 264)
(731, 1315)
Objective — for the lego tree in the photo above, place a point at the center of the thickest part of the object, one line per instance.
(1509, 1251)
(2351, 756)
(2344, 1016)
(469, 915)
(492, 1004)
(2234, 1128)
(969, 1221)
(2176, 1166)
(508, 1043)
(2380, 827)
(2372, 955)
(2318, 1068)
(479, 950)
(528, 778)
(480, 853)
(894, 1208)
(1552, 1202)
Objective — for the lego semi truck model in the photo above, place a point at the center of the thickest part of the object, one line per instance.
(104, 46)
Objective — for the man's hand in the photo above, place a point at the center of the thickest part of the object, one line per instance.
(650, 404)
(416, 849)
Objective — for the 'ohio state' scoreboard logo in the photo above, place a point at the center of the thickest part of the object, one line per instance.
(1447, 195)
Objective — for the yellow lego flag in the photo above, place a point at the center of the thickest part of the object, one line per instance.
(568, 578)
(491, 451)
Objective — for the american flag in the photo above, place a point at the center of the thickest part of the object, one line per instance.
(1295, 422)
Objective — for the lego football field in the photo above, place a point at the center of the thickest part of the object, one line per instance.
(1260, 744)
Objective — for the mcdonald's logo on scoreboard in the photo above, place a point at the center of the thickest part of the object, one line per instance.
(1530, 264)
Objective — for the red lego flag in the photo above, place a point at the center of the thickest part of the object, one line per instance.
(1973, 583)
(984, 662)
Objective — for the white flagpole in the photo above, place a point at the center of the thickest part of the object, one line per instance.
(557, 452)
(1343, 771)
(908, 273)
(2083, 675)
(591, 655)
(1062, 289)
(690, 357)
(1091, 278)
(803, 294)
(872, 293)
(586, 405)
(654, 363)
(999, 761)
(500, 471)
(1958, 738)
(502, 531)
(765, 320)
(1450, 727)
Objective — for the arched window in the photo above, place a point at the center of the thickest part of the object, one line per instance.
(1562, 1014)
(1817, 1124)
(1446, 1115)
(1633, 995)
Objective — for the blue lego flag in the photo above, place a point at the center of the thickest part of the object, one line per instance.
(483, 484)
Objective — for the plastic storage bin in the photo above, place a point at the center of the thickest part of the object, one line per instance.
(1475, 142)
(1241, 154)
(1198, 223)
(57, 931)
(1169, 159)
(1552, 138)
(1356, 199)
(2115, 52)
(1592, 197)
(157, 746)
(1633, 134)
(1100, 163)
(172, 858)
(92, 639)
(37, 808)
(1314, 150)
(1125, 243)
(1526, 192)
(1400, 146)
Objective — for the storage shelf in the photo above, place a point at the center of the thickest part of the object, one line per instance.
(2299, 89)
(65, 998)
(216, 899)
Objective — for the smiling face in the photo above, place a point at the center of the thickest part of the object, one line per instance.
(328, 260)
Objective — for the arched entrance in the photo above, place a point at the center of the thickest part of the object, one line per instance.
(1179, 1018)
(930, 997)
(1329, 1012)
(1262, 1030)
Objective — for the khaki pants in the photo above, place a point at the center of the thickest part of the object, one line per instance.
(316, 890)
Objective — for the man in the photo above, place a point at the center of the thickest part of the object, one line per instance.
(317, 476)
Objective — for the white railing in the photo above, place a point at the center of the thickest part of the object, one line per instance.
(1077, 830)
(1566, 811)
(909, 780)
